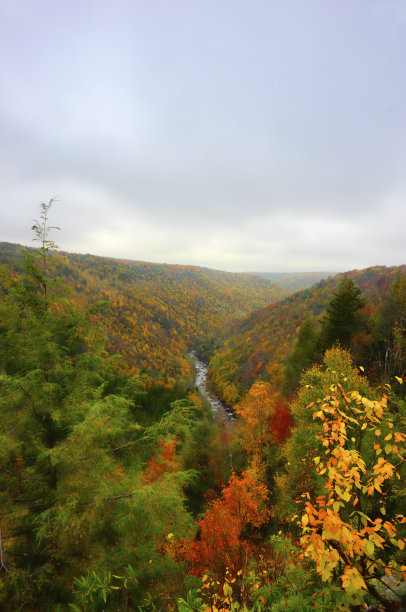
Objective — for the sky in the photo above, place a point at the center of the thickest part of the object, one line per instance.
(261, 135)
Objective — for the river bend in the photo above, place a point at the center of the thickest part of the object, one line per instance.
(220, 410)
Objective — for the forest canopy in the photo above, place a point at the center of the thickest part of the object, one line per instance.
(119, 489)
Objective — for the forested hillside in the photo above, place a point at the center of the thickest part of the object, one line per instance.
(116, 499)
(154, 313)
(258, 347)
(295, 281)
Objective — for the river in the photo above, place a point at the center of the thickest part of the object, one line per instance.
(220, 410)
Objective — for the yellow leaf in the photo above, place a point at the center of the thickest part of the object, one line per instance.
(305, 520)
(169, 536)
(401, 544)
(227, 589)
(377, 432)
(352, 580)
(361, 368)
(400, 381)
(388, 437)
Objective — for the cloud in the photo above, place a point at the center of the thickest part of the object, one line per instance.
(260, 136)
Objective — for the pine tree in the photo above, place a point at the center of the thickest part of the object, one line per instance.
(305, 353)
(73, 498)
(392, 331)
(342, 319)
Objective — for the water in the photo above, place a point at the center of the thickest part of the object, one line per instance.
(220, 410)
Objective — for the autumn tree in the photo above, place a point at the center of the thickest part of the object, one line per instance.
(264, 424)
(255, 412)
(298, 476)
(349, 528)
(227, 529)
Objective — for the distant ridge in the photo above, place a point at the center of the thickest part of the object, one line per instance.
(295, 281)
(257, 348)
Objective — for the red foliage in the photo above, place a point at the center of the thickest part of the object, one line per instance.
(281, 421)
(227, 528)
(163, 462)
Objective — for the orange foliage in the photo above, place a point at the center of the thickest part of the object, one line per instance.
(265, 418)
(228, 526)
(165, 461)
(257, 347)
(337, 529)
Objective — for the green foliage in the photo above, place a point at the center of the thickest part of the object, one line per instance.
(389, 342)
(257, 347)
(305, 353)
(206, 454)
(342, 319)
(154, 312)
(105, 461)
(300, 477)
(42, 231)
(347, 529)
(92, 592)
(72, 458)
(278, 580)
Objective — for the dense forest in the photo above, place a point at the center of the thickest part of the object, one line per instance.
(259, 346)
(153, 313)
(118, 489)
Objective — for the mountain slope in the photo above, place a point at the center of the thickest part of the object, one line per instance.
(257, 347)
(153, 313)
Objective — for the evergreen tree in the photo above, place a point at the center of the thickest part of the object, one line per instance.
(392, 331)
(342, 319)
(72, 494)
(305, 353)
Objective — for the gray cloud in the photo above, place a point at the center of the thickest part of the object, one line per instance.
(238, 135)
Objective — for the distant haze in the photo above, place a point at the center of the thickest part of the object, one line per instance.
(295, 281)
(261, 135)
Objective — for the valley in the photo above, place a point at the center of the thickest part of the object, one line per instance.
(167, 432)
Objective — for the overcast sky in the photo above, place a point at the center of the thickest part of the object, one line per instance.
(263, 135)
